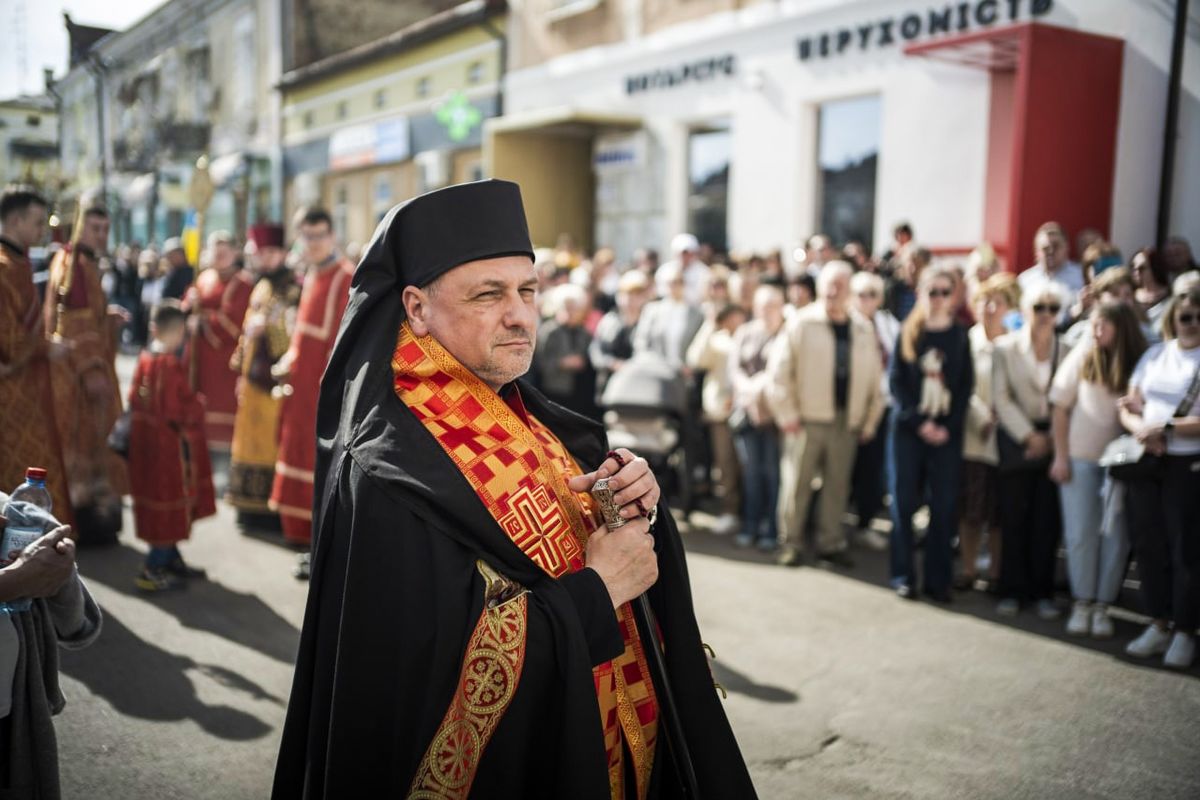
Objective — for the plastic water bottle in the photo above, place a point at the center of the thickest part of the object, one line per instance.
(34, 490)
(21, 531)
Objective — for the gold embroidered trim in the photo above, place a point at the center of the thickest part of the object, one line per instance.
(491, 670)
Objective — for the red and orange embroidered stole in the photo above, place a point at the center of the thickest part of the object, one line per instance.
(519, 470)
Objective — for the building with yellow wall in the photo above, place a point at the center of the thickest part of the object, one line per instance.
(373, 126)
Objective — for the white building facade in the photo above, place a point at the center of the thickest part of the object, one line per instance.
(971, 120)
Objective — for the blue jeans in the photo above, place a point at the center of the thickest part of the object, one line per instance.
(1095, 563)
(921, 472)
(758, 453)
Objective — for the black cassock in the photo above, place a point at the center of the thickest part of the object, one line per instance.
(395, 595)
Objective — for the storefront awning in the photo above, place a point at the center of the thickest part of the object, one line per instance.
(993, 50)
(561, 120)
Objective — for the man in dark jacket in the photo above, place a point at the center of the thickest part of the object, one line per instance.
(470, 628)
(180, 274)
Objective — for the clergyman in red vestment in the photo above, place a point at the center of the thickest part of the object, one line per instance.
(87, 396)
(217, 302)
(322, 304)
(26, 403)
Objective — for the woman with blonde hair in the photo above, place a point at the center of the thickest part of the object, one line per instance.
(1030, 519)
(931, 380)
(994, 299)
(1085, 419)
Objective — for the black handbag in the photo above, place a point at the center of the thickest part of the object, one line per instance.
(1012, 452)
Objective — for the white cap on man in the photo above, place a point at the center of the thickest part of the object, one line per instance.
(684, 243)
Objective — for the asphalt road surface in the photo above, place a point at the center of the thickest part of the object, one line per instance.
(837, 689)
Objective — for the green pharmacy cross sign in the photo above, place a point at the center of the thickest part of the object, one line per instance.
(458, 116)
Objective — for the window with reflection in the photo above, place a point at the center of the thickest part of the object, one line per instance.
(709, 155)
(848, 158)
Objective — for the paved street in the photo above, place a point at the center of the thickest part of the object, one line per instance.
(836, 688)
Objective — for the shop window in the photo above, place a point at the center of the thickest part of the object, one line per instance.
(848, 157)
(382, 196)
(423, 87)
(380, 98)
(709, 152)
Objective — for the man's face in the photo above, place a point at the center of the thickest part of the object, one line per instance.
(267, 259)
(1051, 250)
(837, 295)
(318, 242)
(95, 232)
(484, 313)
(177, 258)
(27, 228)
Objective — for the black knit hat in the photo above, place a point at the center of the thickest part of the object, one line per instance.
(436, 232)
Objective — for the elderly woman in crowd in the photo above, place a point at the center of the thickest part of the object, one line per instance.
(869, 480)
(612, 344)
(1091, 380)
(1162, 410)
(755, 436)
(564, 372)
(709, 353)
(1030, 517)
(931, 381)
(979, 503)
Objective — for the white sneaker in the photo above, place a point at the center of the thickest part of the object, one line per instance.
(1182, 651)
(1047, 610)
(725, 525)
(1102, 626)
(872, 539)
(1152, 642)
(1080, 621)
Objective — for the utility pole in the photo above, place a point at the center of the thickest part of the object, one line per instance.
(1166, 182)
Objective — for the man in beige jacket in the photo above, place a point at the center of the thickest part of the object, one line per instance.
(824, 388)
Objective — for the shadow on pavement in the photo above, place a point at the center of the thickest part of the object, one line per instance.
(871, 567)
(204, 605)
(142, 680)
(739, 682)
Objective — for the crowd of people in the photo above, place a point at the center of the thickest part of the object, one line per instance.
(976, 408)
(982, 406)
(226, 381)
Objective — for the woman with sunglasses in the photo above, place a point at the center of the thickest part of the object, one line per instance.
(1163, 410)
(1153, 286)
(1084, 395)
(1030, 519)
(931, 380)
